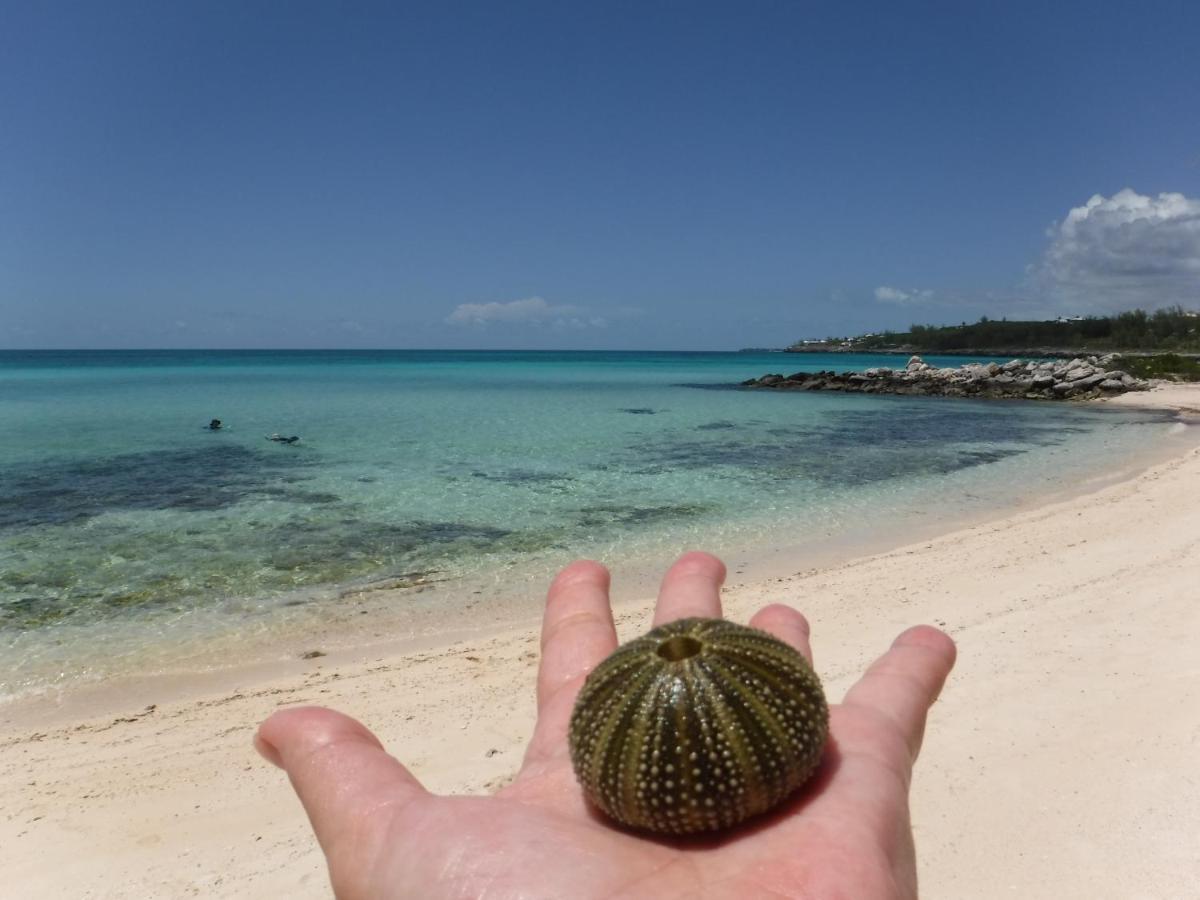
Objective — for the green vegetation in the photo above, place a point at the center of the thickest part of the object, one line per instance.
(1173, 329)
(1162, 365)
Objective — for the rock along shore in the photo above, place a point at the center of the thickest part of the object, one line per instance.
(1074, 379)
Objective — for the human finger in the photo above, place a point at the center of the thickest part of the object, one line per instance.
(339, 770)
(786, 624)
(577, 633)
(691, 587)
(902, 684)
(577, 627)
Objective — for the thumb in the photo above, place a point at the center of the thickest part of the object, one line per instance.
(339, 770)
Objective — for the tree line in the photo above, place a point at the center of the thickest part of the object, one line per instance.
(1165, 329)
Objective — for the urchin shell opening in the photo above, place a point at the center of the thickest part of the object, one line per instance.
(679, 647)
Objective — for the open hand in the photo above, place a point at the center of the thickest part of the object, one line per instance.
(846, 834)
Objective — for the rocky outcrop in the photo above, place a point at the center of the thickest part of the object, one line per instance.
(1074, 379)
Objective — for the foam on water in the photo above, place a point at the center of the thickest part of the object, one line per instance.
(125, 525)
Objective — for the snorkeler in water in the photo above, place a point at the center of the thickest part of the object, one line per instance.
(280, 439)
(214, 425)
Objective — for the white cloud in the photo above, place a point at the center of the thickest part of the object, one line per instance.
(1123, 251)
(536, 311)
(531, 309)
(900, 296)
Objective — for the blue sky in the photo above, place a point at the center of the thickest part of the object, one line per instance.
(608, 175)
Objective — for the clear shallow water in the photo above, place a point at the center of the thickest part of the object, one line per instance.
(124, 523)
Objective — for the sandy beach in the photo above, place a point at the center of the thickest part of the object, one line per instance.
(1059, 762)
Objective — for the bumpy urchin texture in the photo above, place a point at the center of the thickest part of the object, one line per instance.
(696, 726)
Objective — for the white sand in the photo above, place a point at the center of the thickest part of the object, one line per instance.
(1062, 761)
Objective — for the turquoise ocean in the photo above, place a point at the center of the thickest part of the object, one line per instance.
(126, 525)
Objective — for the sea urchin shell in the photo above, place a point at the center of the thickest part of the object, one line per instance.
(696, 726)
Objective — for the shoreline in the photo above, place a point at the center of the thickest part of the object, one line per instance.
(349, 623)
(1084, 595)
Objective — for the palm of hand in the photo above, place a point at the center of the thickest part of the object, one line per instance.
(846, 834)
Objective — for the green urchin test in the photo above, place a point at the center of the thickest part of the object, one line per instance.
(696, 726)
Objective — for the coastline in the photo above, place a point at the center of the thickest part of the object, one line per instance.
(1071, 615)
(397, 616)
